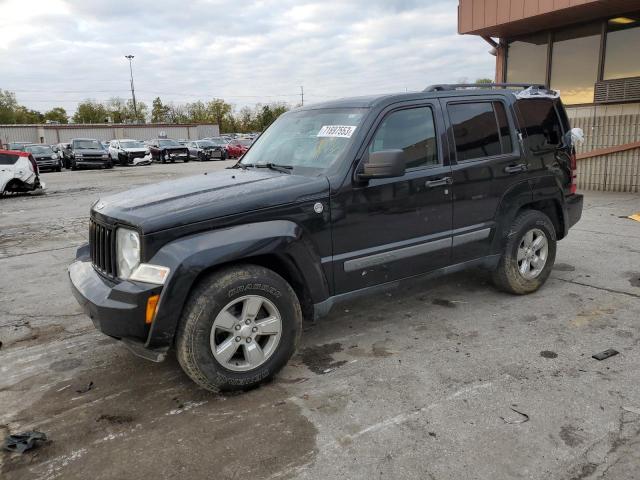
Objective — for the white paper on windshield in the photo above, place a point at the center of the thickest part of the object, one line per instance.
(339, 131)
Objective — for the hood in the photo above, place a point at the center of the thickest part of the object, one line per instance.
(206, 197)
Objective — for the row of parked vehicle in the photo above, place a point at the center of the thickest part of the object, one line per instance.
(89, 152)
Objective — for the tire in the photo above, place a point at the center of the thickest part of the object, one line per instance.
(74, 166)
(58, 169)
(510, 275)
(231, 288)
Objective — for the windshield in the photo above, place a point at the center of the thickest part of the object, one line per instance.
(132, 144)
(205, 143)
(87, 144)
(169, 143)
(39, 150)
(219, 141)
(306, 138)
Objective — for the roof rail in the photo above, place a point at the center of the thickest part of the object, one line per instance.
(456, 86)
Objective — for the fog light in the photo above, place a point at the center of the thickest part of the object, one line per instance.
(152, 308)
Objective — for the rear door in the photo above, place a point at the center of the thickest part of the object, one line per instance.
(488, 163)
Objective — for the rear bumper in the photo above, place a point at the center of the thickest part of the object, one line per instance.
(573, 205)
(116, 309)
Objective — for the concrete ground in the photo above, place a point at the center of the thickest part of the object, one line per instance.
(448, 379)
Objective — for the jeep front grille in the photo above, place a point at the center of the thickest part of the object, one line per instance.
(102, 245)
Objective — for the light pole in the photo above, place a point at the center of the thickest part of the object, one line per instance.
(133, 92)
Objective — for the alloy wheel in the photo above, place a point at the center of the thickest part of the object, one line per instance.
(532, 253)
(246, 333)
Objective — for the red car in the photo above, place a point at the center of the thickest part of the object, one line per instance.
(238, 147)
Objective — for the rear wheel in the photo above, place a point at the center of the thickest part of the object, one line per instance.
(240, 326)
(529, 254)
(74, 166)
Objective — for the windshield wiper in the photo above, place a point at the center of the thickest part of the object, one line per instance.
(272, 166)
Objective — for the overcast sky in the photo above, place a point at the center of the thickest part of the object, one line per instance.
(59, 52)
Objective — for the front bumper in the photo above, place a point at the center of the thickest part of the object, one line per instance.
(116, 309)
(48, 163)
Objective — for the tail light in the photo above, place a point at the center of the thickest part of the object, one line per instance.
(574, 167)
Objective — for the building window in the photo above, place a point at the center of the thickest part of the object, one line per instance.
(622, 58)
(574, 63)
(527, 59)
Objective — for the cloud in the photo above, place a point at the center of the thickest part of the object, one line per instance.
(59, 52)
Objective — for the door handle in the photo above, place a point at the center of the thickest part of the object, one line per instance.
(438, 182)
(521, 167)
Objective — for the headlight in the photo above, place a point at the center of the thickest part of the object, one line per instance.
(54, 156)
(105, 156)
(127, 251)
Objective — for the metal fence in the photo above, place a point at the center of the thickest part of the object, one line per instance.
(52, 134)
(614, 172)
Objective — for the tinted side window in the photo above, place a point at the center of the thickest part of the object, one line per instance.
(541, 123)
(8, 159)
(411, 130)
(480, 129)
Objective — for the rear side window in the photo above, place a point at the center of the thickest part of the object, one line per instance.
(541, 124)
(480, 129)
(411, 130)
(8, 159)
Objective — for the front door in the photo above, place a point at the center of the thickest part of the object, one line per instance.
(388, 229)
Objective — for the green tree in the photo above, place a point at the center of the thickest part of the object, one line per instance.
(159, 111)
(197, 112)
(177, 113)
(27, 115)
(8, 105)
(484, 80)
(142, 109)
(117, 110)
(57, 114)
(220, 113)
(90, 111)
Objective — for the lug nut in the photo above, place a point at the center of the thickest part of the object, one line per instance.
(238, 339)
(247, 321)
(248, 340)
(254, 329)
(238, 327)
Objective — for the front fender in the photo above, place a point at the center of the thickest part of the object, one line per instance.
(190, 256)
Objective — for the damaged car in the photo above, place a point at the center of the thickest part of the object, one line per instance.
(167, 150)
(129, 152)
(206, 150)
(332, 202)
(45, 157)
(19, 173)
(88, 152)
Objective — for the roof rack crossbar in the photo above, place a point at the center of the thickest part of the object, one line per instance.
(455, 86)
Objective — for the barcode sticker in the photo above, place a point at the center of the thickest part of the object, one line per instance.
(340, 131)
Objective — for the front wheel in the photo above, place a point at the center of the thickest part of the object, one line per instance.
(529, 254)
(239, 327)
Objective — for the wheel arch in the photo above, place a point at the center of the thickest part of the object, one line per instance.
(278, 245)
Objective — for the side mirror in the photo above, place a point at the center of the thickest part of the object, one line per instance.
(384, 164)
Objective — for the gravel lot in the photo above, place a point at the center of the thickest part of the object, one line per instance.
(423, 383)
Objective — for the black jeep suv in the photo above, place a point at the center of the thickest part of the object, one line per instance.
(332, 201)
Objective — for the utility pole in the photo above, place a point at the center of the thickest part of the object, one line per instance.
(133, 92)
(302, 95)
